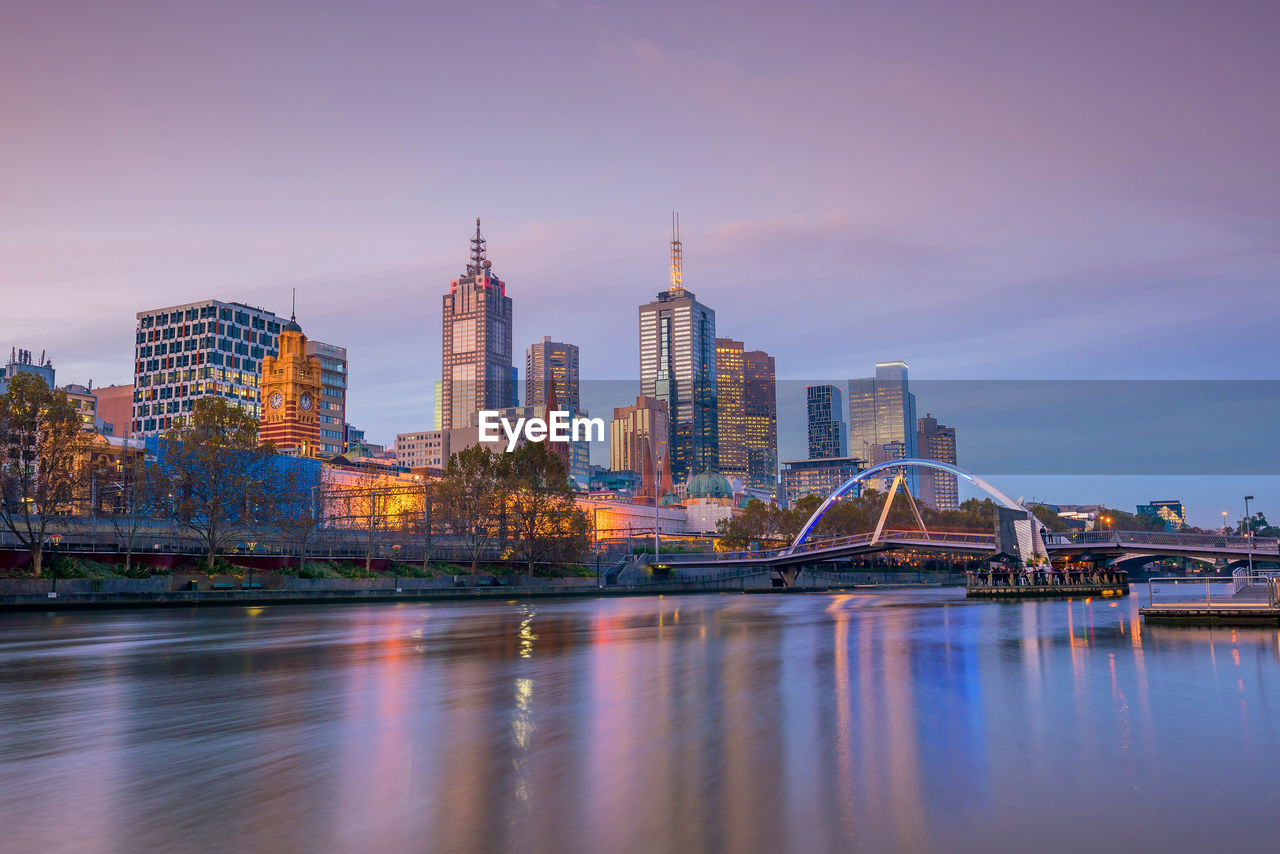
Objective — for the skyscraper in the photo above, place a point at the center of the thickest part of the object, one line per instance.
(186, 352)
(678, 366)
(827, 435)
(731, 414)
(548, 362)
(935, 441)
(760, 408)
(476, 342)
(882, 418)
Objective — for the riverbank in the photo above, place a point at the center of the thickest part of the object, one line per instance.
(338, 591)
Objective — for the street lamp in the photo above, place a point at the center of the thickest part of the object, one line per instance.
(1248, 532)
(1224, 521)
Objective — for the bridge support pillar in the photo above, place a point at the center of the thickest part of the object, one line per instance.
(786, 577)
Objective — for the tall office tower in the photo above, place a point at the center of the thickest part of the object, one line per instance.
(760, 407)
(331, 408)
(20, 362)
(198, 349)
(549, 362)
(291, 387)
(935, 441)
(678, 366)
(476, 342)
(438, 404)
(827, 436)
(731, 414)
(882, 418)
(639, 438)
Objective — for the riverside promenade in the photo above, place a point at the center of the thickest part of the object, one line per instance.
(178, 591)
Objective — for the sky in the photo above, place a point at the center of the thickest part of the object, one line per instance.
(987, 190)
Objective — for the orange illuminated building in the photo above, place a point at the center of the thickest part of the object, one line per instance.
(290, 394)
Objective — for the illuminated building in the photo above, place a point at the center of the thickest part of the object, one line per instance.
(550, 362)
(639, 442)
(731, 417)
(85, 400)
(1169, 511)
(817, 477)
(291, 386)
(678, 366)
(935, 441)
(825, 409)
(882, 418)
(331, 407)
(189, 351)
(760, 410)
(476, 342)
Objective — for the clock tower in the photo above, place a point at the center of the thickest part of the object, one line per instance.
(291, 395)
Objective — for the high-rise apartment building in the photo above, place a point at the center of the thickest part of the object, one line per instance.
(827, 435)
(548, 363)
(331, 409)
(291, 386)
(678, 366)
(882, 418)
(639, 442)
(819, 477)
(936, 441)
(200, 349)
(476, 342)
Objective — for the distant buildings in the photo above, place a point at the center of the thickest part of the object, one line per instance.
(85, 400)
(935, 441)
(639, 443)
(331, 409)
(1169, 511)
(423, 449)
(476, 342)
(20, 362)
(189, 351)
(115, 407)
(678, 366)
(549, 364)
(816, 477)
(828, 437)
(731, 414)
(882, 418)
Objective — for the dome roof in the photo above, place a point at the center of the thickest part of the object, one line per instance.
(670, 499)
(709, 485)
(292, 326)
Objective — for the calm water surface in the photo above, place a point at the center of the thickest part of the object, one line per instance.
(899, 721)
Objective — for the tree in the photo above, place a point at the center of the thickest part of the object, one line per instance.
(216, 476)
(299, 509)
(43, 449)
(469, 499)
(759, 523)
(541, 513)
(128, 491)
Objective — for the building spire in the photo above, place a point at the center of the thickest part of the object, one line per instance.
(677, 253)
(293, 309)
(478, 245)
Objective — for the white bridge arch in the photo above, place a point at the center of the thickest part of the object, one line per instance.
(892, 465)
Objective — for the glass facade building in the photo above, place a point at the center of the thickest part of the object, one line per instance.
(549, 363)
(819, 477)
(331, 410)
(882, 418)
(936, 441)
(827, 434)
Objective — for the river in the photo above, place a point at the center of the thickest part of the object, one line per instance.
(880, 721)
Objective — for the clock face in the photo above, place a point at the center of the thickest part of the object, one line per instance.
(305, 400)
(276, 400)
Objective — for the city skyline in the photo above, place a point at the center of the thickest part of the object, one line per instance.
(951, 188)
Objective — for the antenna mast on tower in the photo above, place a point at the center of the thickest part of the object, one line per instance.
(677, 253)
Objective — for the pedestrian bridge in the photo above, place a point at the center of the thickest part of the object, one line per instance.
(1106, 545)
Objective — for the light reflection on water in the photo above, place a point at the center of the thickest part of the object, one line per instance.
(907, 721)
